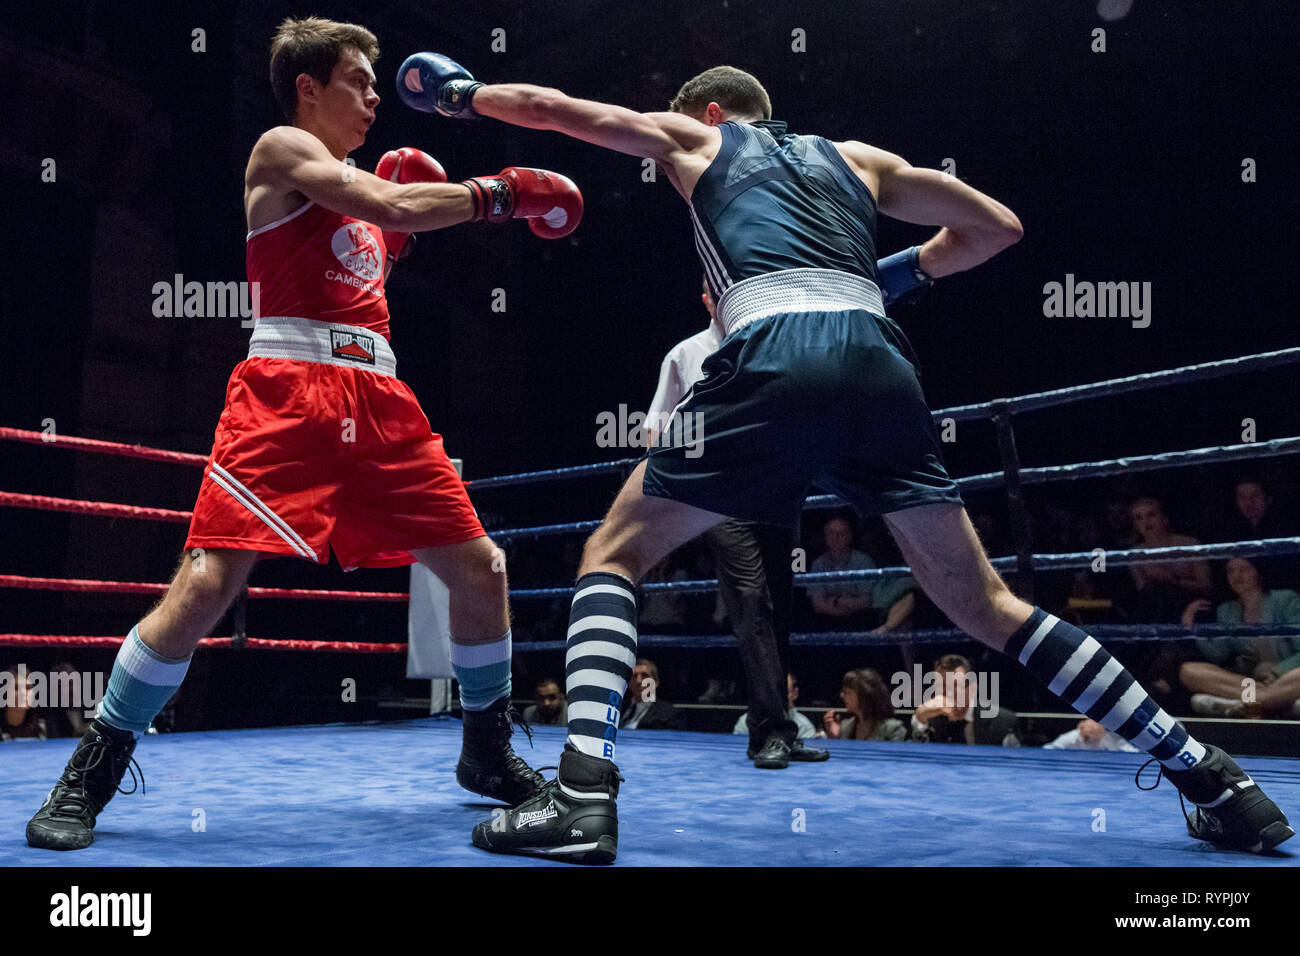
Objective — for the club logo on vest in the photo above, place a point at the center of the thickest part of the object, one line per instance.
(356, 248)
(352, 346)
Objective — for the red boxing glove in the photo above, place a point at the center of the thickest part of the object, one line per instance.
(549, 201)
(406, 165)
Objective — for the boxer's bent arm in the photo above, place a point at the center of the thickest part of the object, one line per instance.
(976, 227)
(291, 158)
(663, 137)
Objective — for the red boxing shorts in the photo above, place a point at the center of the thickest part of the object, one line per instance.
(321, 446)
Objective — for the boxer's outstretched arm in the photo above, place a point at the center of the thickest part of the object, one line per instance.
(290, 158)
(663, 137)
(976, 227)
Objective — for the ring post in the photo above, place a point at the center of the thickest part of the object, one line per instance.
(1018, 513)
(239, 622)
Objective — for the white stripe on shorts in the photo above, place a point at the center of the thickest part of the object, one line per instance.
(250, 501)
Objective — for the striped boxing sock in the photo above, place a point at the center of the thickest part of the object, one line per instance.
(141, 683)
(1082, 673)
(599, 659)
(482, 671)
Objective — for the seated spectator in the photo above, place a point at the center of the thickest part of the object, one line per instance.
(663, 612)
(870, 712)
(1272, 663)
(718, 690)
(71, 721)
(550, 706)
(1163, 588)
(806, 729)
(1256, 516)
(852, 605)
(954, 716)
(18, 719)
(1090, 735)
(642, 708)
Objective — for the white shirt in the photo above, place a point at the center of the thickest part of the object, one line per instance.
(681, 368)
(1073, 740)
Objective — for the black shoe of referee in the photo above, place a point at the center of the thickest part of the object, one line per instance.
(1228, 807)
(488, 764)
(776, 754)
(573, 817)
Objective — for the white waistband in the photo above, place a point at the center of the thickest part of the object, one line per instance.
(797, 290)
(307, 340)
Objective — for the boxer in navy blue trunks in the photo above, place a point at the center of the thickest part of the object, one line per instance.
(813, 383)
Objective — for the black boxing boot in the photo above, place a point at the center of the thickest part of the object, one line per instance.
(66, 821)
(488, 764)
(573, 817)
(1228, 807)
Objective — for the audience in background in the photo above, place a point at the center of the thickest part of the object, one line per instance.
(642, 708)
(806, 729)
(1090, 735)
(954, 716)
(663, 612)
(18, 718)
(1246, 676)
(870, 711)
(1255, 515)
(549, 705)
(1156, 592)
(71, 721)
(857, 605)
(1163, 588)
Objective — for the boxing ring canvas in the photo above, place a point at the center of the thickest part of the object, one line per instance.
(385, 795)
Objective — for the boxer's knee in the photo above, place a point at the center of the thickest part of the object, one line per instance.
(206, 582)
(475, 574)
(204, 586)
(608, 550)
(484, 575)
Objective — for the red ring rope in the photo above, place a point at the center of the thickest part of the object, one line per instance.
(14, 499)
(149, 587)
(67, 640)
(103, 447)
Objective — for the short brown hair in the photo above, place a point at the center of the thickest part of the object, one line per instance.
(737, 92)
(312, 45)
(652, 667)
(950, 662)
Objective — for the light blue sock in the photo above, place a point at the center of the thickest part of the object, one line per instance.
(483, 672)
(140, 685)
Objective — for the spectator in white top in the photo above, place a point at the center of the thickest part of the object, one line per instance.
(1090, 735)
(804, 725)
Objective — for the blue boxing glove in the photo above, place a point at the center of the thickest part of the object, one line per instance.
(902, 278)
(433, 83)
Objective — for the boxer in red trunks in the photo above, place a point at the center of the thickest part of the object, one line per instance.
(320, 446)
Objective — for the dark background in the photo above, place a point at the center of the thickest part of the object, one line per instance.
(1123, 166)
